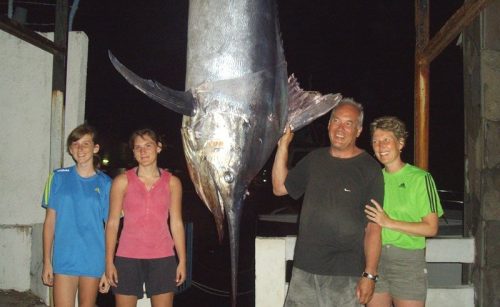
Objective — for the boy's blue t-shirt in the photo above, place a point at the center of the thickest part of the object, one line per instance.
(81, 206)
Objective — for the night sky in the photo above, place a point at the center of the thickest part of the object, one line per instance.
(362, 49)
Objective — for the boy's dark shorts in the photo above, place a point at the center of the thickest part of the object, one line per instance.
(158, 275)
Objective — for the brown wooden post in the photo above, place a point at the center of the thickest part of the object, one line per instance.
(421, 85)
(58, 103)
(59, 86)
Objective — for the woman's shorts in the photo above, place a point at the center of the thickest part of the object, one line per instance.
(157, 274)
(402, 273)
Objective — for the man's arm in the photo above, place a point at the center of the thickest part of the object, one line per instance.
(372, 245)
(280, 169)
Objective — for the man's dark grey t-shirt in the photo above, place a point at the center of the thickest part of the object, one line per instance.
(332, 219)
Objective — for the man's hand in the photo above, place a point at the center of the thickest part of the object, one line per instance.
(286, 138)
(364, 290)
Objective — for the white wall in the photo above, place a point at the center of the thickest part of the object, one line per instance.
(15, 260)
(25, 100)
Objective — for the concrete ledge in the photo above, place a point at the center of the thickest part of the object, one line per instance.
(458, 296)
(290, 247)
(450, 250)
(270, 288)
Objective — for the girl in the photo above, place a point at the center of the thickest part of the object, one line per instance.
(150, 198)
(76, 202)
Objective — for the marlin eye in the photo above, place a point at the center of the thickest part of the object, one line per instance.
(228, 177)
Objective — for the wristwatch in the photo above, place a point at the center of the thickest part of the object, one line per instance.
(370, 276)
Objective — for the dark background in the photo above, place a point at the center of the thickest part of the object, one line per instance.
(362, 49)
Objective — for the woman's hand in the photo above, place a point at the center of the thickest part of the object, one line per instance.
(104, 284)
(180, 275)
(376, 214)
(48, 275)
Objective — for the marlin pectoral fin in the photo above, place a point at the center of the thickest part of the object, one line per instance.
(304, 106)
(177, 101)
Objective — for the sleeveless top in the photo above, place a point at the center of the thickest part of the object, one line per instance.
(145, 233)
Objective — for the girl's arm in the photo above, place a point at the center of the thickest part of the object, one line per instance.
(427, 227)
(117, 194)
(48, 239)
(177, 228)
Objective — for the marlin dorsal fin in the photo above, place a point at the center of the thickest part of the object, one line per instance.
(305, 106)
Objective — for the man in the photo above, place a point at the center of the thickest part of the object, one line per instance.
(337, 250)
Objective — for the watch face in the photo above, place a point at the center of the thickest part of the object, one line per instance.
(370, 276)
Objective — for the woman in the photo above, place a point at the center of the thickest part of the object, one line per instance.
(150, 198)
(76, 199)
(410, 214)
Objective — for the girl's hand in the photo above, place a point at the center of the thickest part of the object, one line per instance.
(112, 275)
(180, 275)
(103, 284)
(376, 214)
(48, 275)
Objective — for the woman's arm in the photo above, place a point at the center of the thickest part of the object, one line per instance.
(117, 194)
(177, 227)
(427, 227)
(48, 239)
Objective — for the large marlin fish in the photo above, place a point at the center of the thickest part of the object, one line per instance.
(237, 103)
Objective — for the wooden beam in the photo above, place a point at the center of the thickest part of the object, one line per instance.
(421, 86)
(454, 26)
(18, 30)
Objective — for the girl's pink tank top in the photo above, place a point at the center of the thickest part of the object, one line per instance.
(145, 233)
